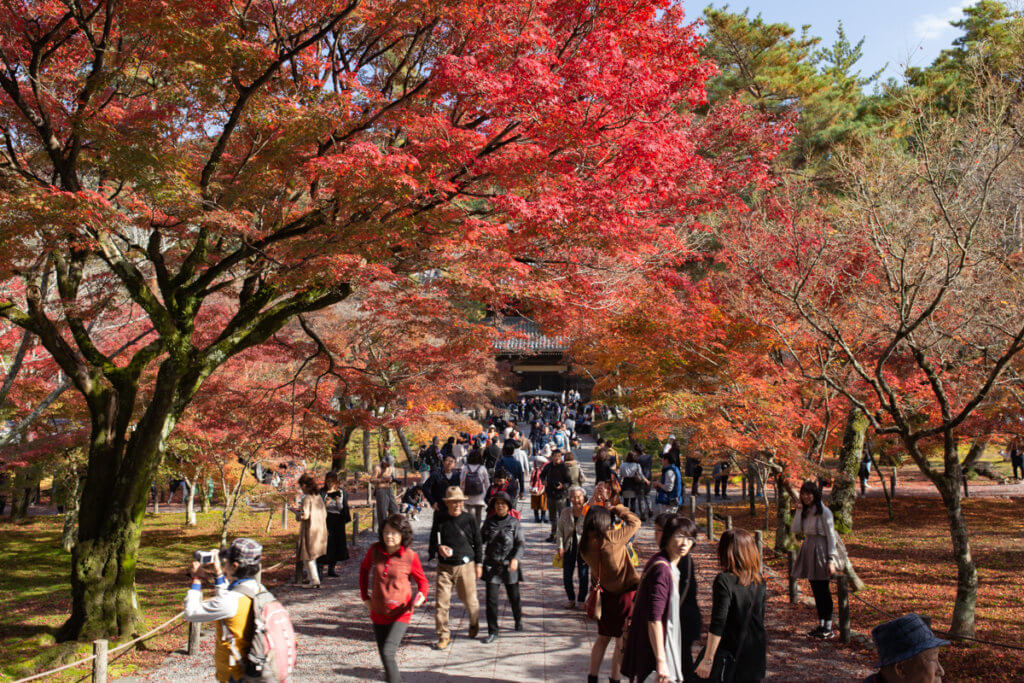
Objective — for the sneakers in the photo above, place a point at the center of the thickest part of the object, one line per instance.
(442, 644)
(491, 637)
(519, 626)
(822, 633)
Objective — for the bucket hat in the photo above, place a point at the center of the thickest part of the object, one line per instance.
(902, 638)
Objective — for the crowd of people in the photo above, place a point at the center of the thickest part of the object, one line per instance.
(475, 487)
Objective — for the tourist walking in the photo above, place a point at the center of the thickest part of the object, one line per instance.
(604, 462)
(655, 639)
(538, 499)
(474, 483)
(386, 577)
(570, 530)
(603, 547)
(737, 612)
(816, 560)
(455, 538)
(510, 463)
(338, 515)
(720, 472)
(383, 482)
(312, 516)
(503, 483)
(557, 482)
(576, 476)
(670, 487)
(633, 481)
(502, 535)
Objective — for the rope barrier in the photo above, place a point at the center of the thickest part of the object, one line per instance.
(86, 660)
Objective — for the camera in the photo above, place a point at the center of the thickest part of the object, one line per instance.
(205, 557)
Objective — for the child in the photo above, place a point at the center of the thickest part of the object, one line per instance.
(412, 501)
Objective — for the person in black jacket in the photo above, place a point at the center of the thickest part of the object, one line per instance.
(438, 482)
(503, 535)
(557, 483)
(737, 611)
(455, 538)
(338, 515)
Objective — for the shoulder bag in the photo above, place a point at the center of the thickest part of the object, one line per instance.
(723, 670)
(593, 603)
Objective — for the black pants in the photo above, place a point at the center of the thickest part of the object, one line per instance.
(1017, 464)
(388, 637)
(512, 589)
(721, 486)
(822, 591)
(337, 543)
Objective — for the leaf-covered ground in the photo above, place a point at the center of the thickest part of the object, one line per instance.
(35, 599)
(908, 566)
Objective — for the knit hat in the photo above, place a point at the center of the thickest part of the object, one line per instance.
(903, 638)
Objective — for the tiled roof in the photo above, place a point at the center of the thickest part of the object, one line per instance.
(522, 335)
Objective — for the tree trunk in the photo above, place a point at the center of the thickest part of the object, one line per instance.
(339, 450)
(406, 448)
(204, 498)
(69, 530)
(783, 514)
(113, 504)
(844, 490)
(367, 454)
(22, 490)
(190, 508)
(885, 487)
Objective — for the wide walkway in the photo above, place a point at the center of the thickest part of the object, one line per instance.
(335, 641)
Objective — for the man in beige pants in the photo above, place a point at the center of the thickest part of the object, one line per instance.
(455, 536)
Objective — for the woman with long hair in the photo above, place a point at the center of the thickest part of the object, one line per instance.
(312, 516)
(386, 577)
(338, 515)
(655, 641)
(816, 560)
(603, 547)
(736, 635)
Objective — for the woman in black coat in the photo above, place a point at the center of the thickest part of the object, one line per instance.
(736, 635)
(338, 515)
(503, 540)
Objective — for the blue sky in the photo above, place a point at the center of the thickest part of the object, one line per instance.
(896, 32)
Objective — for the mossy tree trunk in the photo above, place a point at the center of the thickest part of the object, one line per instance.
(844, 490)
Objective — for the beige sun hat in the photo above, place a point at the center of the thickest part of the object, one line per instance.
(453, 494)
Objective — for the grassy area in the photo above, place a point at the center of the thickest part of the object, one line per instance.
(617, 431)
(35, 599)
(908, 567)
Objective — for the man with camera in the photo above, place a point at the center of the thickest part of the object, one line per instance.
(229, 608)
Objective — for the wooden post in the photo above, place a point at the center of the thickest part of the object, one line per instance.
(355, 529)
(759, 540)
(369, 493)
(711, 523)
(892, 482)
(693, 508)
(707, 487)
(195, 633)
(728, 523)
(284, 515)
(743, 486)
(99, 663)
(794, 589)
(843, 598)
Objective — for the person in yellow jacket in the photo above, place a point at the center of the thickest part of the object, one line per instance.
(229, 608)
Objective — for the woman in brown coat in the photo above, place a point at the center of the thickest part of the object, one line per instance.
(312, 515)
(603, 547)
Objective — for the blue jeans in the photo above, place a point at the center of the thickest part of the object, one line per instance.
(573, 560)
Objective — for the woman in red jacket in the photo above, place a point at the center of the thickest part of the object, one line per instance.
(385, 584)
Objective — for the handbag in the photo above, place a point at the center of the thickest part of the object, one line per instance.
(723, 669)
(593, 603)
(557, 561)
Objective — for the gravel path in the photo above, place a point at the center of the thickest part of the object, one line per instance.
(335, 640)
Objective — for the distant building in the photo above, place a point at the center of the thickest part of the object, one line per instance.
(539, 361)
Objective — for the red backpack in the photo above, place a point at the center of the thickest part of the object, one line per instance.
(272, 653)
(536, 482)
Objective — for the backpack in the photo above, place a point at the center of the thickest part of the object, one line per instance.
(271, 655)
(537, 481)
(474, 482)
